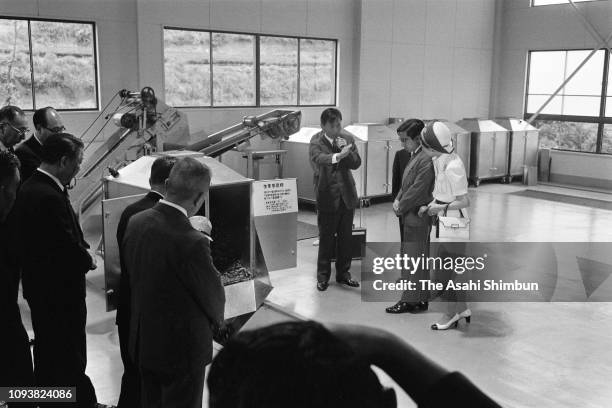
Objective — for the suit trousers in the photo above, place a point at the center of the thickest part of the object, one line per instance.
(340, 223)
(180, 390)
(15, 353)
(60, 351)
(416, 243)
(130, 381)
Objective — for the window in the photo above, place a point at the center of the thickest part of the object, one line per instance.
(46, 63)
(576, 117)
(535, 3)
(218, 69)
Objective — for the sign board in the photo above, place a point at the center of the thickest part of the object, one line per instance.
(274, 197)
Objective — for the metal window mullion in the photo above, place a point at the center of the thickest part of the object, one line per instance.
(257, 68)
(210, 57)
(31, 64)
(299, 77)
(602, 107)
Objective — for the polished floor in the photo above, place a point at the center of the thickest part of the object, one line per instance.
(522, 354)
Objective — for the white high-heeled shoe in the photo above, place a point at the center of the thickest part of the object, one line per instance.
(454, 321)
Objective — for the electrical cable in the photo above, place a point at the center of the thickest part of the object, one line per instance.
(101, 113)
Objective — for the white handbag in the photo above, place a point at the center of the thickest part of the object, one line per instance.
(454, 228)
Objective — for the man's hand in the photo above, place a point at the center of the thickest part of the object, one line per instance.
(201, 223)
(434, 209)
(341, 142)
(396, 205)
(346, 150)
(94, 261)
(423, 210)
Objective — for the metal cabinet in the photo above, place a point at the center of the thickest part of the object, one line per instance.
(379, 143)
(489, 149)
(523, 150)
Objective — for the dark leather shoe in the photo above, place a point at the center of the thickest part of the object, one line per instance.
(322, 286)
(399, 307)
(349, 282)
(405, 307)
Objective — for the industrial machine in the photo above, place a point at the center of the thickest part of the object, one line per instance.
(254, 222)
(489, 149)
(523, 151)
(145, 124)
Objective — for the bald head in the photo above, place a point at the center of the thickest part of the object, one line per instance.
(47, 122)
(188, 184)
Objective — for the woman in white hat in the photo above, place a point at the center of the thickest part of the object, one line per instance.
(450, 199)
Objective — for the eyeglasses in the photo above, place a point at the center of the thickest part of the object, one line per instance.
(20, 132)
(56, 129)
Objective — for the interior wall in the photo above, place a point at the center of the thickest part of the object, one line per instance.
(425, 58)
(526, 28)
(117, 46)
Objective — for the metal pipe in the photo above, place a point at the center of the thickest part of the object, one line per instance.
(599, 47)
(589, 26)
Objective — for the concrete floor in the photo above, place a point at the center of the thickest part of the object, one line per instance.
(521, 354)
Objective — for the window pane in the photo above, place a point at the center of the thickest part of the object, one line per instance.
(609, 107)
(317, 72)
(233, 69)
(581, 105)
(64, 65)
(278, 59)
(534, 102)
(546, 71)
(587, 81)
(577, 136)
(15, 76)
(607, 140)
(187, 67)
(547, 2)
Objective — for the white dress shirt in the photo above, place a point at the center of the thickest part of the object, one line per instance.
(178, 207)
(59, 183)
(331, 142)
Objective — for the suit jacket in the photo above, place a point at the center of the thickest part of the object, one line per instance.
(9, 281)
(417, 188)
(148, 201)
(333, 181)
(29, 153)
(400, 161)
(54, 254)
(176, 291)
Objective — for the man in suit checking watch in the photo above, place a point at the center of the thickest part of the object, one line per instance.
(332, 156)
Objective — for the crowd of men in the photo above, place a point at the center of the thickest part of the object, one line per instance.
(171, 299)
(44, 247)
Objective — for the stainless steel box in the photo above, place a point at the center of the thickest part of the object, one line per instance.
(489, 149)
(524, 140)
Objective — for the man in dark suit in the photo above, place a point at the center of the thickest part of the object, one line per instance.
(408, 133)
(13, 127)
(46, 122)
(15, 351)
(416, 191)
(333, 155)
(55, 259)
(130, 382)
(177, 295)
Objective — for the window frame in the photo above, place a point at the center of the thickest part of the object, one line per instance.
(95, 59)
(601, 120)
(563, 3)
(257, 68)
